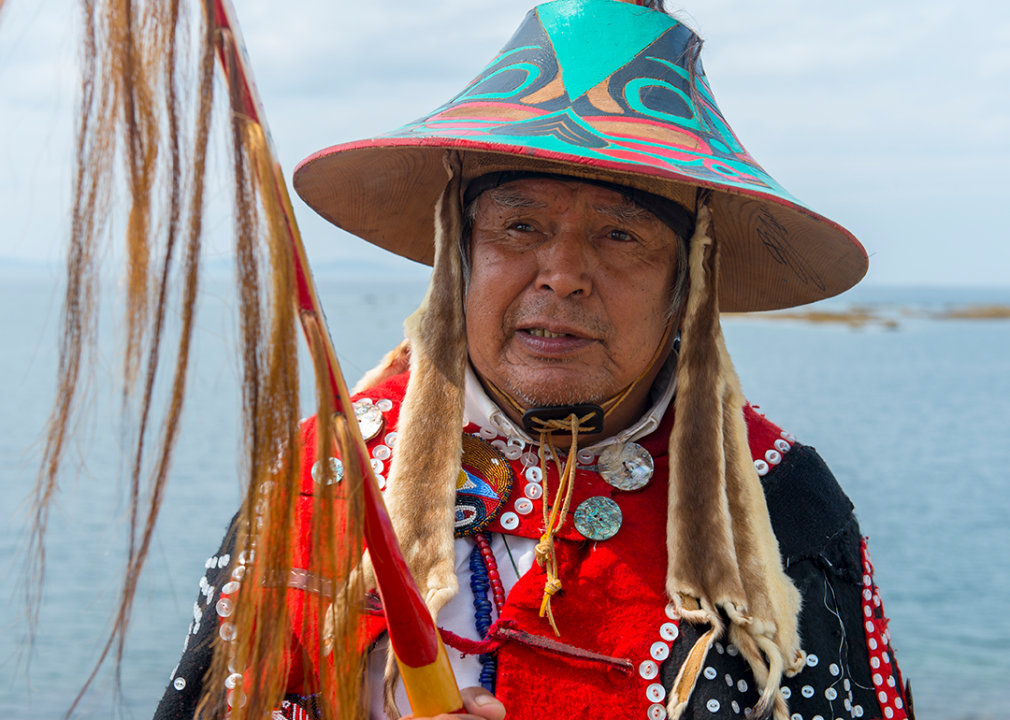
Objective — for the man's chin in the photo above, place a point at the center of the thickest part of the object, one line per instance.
(549, 394)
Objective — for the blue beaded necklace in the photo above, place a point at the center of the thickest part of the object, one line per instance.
(480, 584)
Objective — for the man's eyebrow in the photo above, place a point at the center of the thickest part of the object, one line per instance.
(625, 210)
(512, 198)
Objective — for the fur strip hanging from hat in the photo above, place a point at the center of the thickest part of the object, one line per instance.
(427, 462)
(723, 555)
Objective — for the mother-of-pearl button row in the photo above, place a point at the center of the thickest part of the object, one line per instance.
(515, 448)
(807, 691)
(382, 452)
(713, 705)
(877, 641)
(523, 505)
(649, 669)
(710, 673)
(207, 590)
(382, 455)
(774, 456)
(383, 404)
(830, 692)
(225, 609)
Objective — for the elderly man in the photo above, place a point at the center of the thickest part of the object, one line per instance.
(599, 522)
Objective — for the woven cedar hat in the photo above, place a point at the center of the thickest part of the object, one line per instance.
(604, 90)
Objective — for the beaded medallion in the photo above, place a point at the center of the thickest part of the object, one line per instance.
(484, 484)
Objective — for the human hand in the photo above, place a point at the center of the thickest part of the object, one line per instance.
(478, 703)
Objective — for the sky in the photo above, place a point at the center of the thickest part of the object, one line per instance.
(892, 119)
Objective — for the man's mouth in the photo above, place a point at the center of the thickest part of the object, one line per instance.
(544, 333)
(556, 343)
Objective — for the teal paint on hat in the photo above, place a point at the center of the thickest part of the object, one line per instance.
(592, 39)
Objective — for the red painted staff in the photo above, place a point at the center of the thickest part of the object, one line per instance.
(424, 665)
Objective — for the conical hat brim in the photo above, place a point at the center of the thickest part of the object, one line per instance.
(774, 253)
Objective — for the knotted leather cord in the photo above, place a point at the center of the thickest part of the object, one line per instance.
(546, 556)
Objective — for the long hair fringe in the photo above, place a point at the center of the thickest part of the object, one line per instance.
(144, 125)
(129, 97)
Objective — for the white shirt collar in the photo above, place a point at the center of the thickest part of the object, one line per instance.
(483, 411)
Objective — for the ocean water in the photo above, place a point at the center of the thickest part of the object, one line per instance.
(913, 421)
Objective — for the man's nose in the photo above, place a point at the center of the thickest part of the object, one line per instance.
(567, 262)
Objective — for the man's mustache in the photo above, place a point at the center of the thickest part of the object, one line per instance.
(534, 313)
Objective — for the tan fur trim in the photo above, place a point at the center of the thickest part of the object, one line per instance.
(687, 677)
(426, 464)
(721, 547)
(773, 600)
(700, 547)
(395, 362)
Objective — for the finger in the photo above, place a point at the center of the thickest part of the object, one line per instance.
(478, 701)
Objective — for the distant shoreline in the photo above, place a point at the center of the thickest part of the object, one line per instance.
(889, 318)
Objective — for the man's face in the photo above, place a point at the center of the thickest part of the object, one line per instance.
(569, 290)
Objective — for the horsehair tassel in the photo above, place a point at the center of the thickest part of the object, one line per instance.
(427, 673)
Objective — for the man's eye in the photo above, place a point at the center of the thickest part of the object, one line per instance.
(620, 236)
(521, 227)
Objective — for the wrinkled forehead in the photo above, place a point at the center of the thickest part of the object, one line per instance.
(625, 203)
(537, 194)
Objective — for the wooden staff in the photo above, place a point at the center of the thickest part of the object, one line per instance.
(424, 665)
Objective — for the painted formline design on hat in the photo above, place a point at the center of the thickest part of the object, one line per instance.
(597, 89)
(562, 84)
